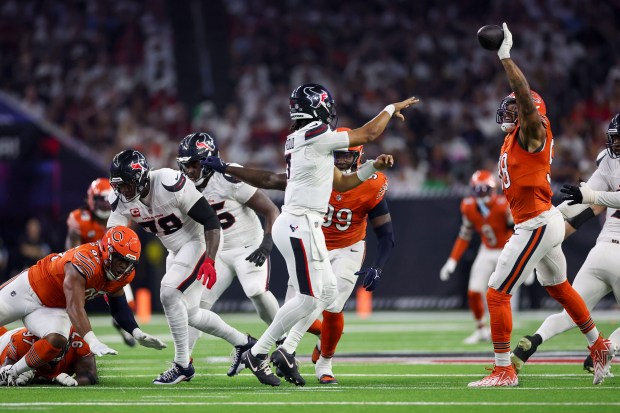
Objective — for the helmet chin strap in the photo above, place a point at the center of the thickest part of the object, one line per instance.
(508, 127)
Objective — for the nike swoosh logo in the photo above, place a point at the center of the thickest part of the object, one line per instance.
(290, 366)
(255, 369)
(354, 250)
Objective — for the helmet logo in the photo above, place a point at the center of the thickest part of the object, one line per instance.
(137, 165)
(117, 236)
(205, 145)
(315, 98)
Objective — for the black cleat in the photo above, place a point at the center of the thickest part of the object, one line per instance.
(236, 365)
(525, 349)
(260, 367)
(287, 365)
(588, 365)
(176, 374)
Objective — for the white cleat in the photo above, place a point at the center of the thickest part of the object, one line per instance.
(480, 335)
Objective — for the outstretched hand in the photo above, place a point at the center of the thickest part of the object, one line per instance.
(215, 163)
(404, 105)
(504, 49)
(578, 195)
(383, 162)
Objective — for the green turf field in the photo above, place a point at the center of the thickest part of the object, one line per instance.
(393, 364)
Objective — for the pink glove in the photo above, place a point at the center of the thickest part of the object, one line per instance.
(206, 273)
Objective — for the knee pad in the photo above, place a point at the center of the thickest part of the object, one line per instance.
(169, 296)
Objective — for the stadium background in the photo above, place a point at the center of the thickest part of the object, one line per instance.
(81, 80)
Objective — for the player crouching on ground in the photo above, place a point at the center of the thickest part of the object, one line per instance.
(50, 296)
(74, 366)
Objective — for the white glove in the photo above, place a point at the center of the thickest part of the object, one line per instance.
(148, 340)
(96, 346)
(65, 380)
(504, 49)
(589, 197)
(447, 269)
(24, 378)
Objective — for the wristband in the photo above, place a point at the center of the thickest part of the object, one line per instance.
(90, 338)
(366, 170)
(390, 109)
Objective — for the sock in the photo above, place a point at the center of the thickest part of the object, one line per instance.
(287, 316)
(176, 314)
(502, 359)
(476, 305)
(500, 315)
(576, 308)
(554, 325)
(333, 325)
(316, 327)
(193, 334)
(41, 353)
(211, 323)
(266, 306)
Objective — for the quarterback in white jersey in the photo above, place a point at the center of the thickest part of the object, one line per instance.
(246, 247)
(297, 232)
(165, 203)
(598, 276)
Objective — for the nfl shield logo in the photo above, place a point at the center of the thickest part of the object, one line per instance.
(338, 197)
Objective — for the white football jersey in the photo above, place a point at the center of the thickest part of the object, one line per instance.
(607, 178)
(227, 196)
(309, 154)
(171, 195)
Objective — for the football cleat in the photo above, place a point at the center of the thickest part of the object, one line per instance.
(525, 349)
(316, 353)
(327, 379)
(260, 367)
(286, 364)
(480, 335)
(236, 366)
(501, 376)
(127, 338)
(8, 376)
(602, 352)
(588, 365)
(176, 374)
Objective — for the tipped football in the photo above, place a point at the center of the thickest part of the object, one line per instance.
(490, 36)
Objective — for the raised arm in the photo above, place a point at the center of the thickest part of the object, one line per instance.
(255, 177)
(345, 182)
(532, 134)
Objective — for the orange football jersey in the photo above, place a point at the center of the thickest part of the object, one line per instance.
(22, 340)
(84, 223)
(525, 176)
(47, 275)
(345, 221)
(494, 229)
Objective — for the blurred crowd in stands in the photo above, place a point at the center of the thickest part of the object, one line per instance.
(105, 72)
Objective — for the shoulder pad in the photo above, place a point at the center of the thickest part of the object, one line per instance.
(601, 156)
(231, 179)
(177, 185)
(316, 131)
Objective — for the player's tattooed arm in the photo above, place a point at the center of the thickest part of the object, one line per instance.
(532, 133)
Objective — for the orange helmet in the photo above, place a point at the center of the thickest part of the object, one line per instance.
(505, 117)
(342, 159)
(120, 250)
(97, 197)
(483, 184)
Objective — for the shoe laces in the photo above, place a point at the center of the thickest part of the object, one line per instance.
(264, 367)
(171, 373)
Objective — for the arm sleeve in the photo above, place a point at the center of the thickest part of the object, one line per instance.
(122, 313)
(204, 214)
(331, 141)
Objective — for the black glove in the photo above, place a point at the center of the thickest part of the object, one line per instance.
(215, 163)
(372, 276)
(573, 194)
(259, 256)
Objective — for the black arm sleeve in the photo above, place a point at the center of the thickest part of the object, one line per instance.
(203, 213)
(122, 313)
(580, 219)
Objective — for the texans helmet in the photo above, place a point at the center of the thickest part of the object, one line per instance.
(129, 174)
(613, 137)
(193, 148)
(314, 102)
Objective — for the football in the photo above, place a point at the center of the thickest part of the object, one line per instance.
(490, 36)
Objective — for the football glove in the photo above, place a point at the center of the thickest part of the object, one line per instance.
(24, 378)
(259, 256)
(148, 340)
(215, 163)
(97, 347)
(504, 49)
(206, 273)
(372, 276)
(65, 380)
(447, 269)
(578, 195)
